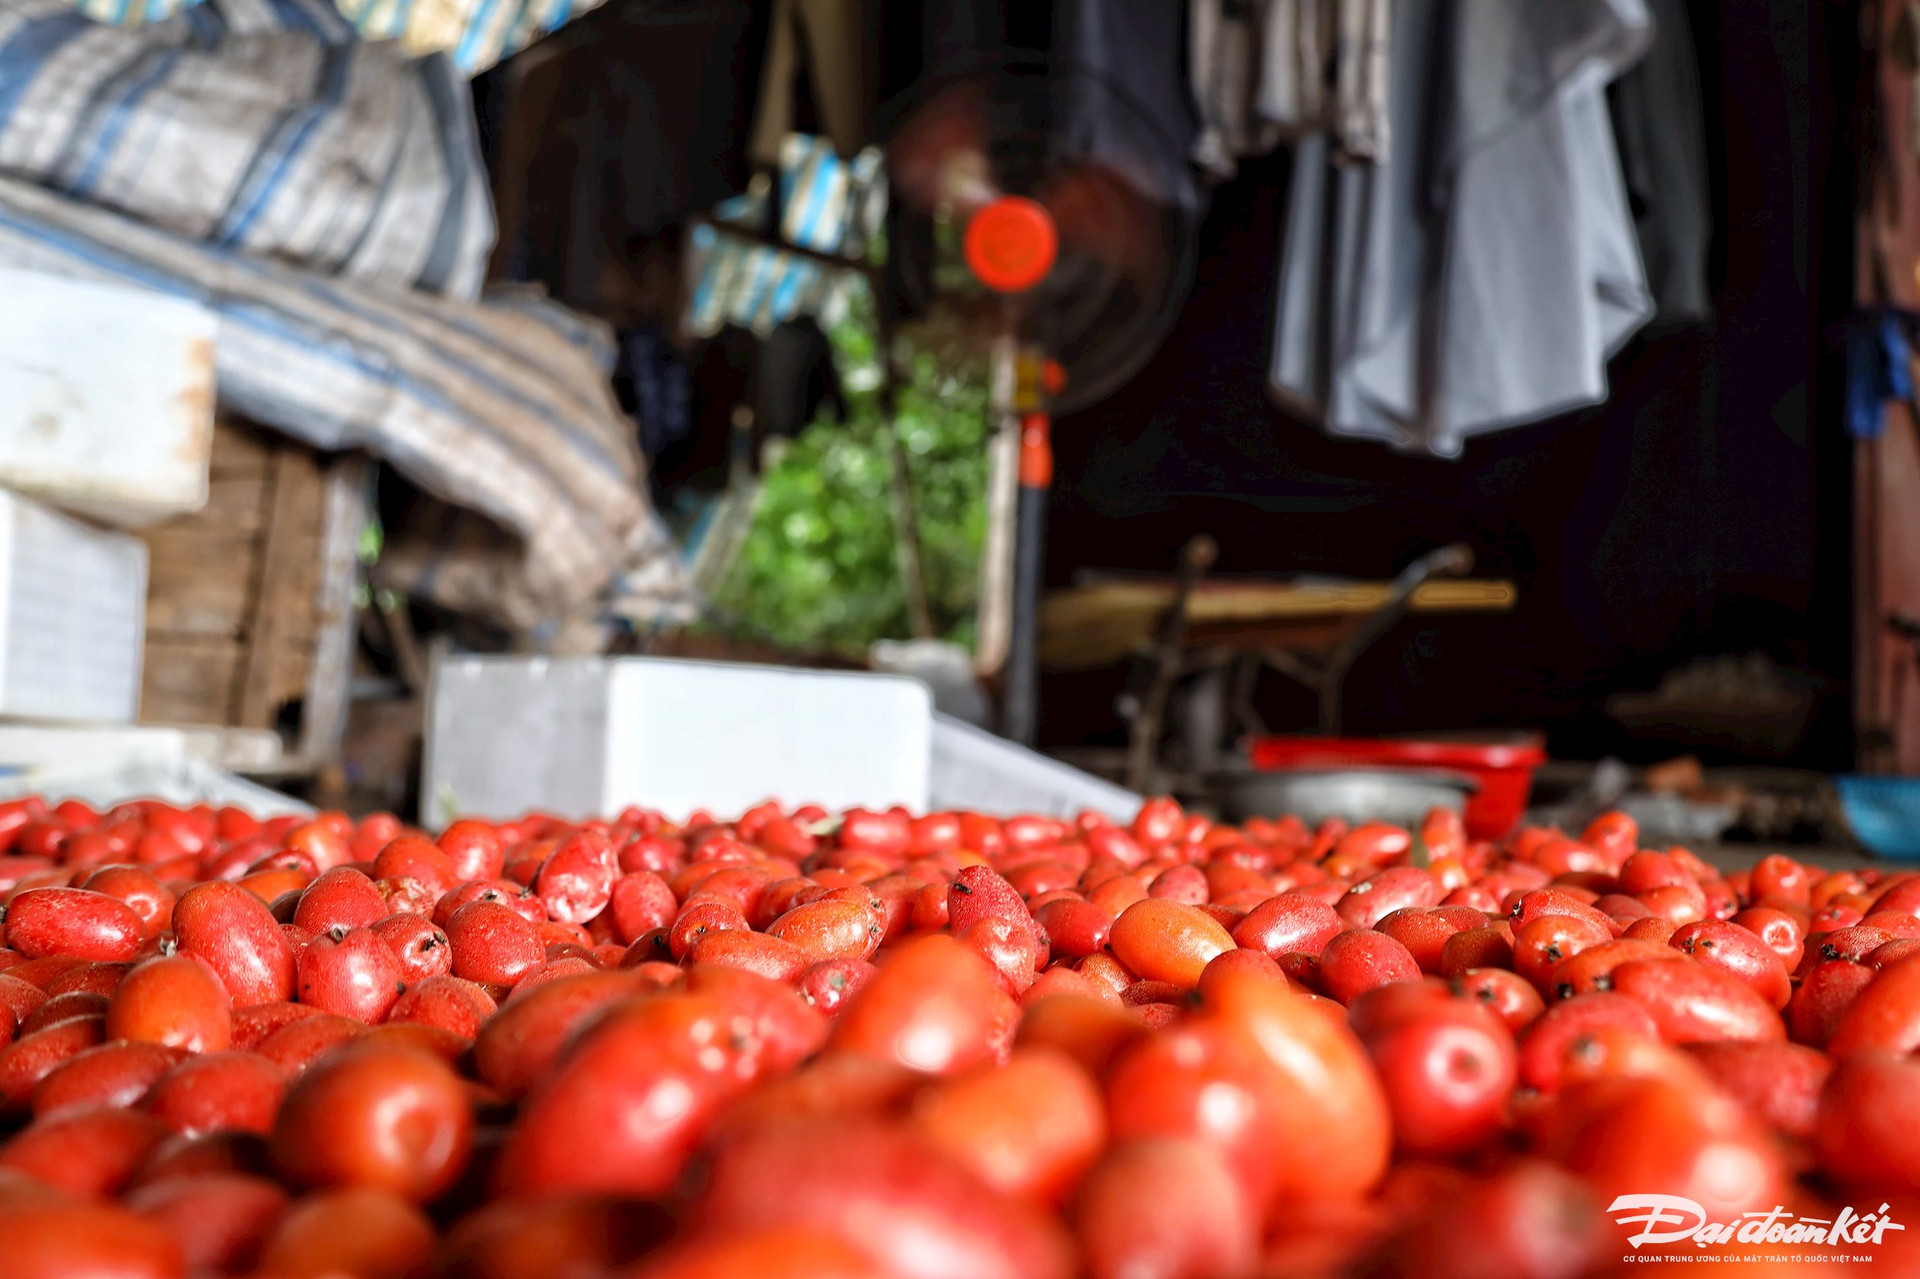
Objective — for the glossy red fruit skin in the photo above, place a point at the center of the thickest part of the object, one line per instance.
(492, 944)
(1167, 941)
(516, 1049)
(1380, 894)
(356, 1231)
(1864, 1133)
(219, 1220)
(1501, 992)
(114, 1074)
(297, 1045)
(451, 1003)
(474, 848)
(218, 1092)
(886, 1192)
(1740, 952)
(754, 952)
(828, 986)
(1288, 923)
(625, 1109)
(1162, 1206)
(576, 881)
(1075, 927)
(828, 928)
(1884, 1016)
(1355, 962)
(341, 898)
(1544, 1044)
(1202, 1082)
(84, 1152)
(638, 903)
(501, 891)
(351, 974)
(151, 900)
(1449, 1071)
(255, 1023)
(1826, 992)
(382, 1118)
(1779, 1082)
(31, 1057)
(73, 921)
(175, 1000)
(232, 932)
(20, 999)
(421, 947)
(413, 857)
(55, 1238)
(934, 1006)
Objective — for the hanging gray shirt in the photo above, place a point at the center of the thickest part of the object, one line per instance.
(1482, 275)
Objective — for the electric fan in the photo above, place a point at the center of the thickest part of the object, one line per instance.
(1040, 214)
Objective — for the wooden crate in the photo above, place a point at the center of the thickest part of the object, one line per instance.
(250, 600)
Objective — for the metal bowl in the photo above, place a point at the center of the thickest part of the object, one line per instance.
(1401, 796)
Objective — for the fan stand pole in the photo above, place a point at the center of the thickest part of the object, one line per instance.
(1003, 479)
(1021, 712)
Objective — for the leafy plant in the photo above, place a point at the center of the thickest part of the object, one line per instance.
(820, 566)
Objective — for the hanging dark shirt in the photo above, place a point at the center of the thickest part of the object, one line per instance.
(1658, 125)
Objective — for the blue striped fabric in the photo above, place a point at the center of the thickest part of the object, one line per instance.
(501, 408)
(262, 125)
(474, 33)
(830, 204)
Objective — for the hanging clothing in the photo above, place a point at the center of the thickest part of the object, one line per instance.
(1481, 277)
(830, 41)
(619, 128)
(655, 386)
(1228, 42)
(1135, 48)
(1362, 62)
(1265, 71)
(1659, 123)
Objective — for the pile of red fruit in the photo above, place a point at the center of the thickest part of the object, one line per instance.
(945, 1047)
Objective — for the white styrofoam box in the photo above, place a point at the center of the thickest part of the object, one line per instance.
(73, 606)
(589, 736)
(106, 397)
(973, 769)
(44, 747)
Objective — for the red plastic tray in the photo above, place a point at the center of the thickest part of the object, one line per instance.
(1504, 770)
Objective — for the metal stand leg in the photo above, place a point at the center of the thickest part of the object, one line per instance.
(1326, 677)
(1146, 709)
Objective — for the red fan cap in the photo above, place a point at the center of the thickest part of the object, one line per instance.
(1011, 244)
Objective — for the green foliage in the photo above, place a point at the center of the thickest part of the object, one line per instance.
(820, 567)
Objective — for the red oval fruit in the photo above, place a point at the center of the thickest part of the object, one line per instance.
(54, 1238)
(934, 1006)
(492, 944)
(73, 921)
(233, 933)
(114, 1074)
(886, 1192)
(220, 1221)
(1167, 941)
(1165, 1207)
(175, 1000)
(219, 1092)
(351, 974)
(380, 1117)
